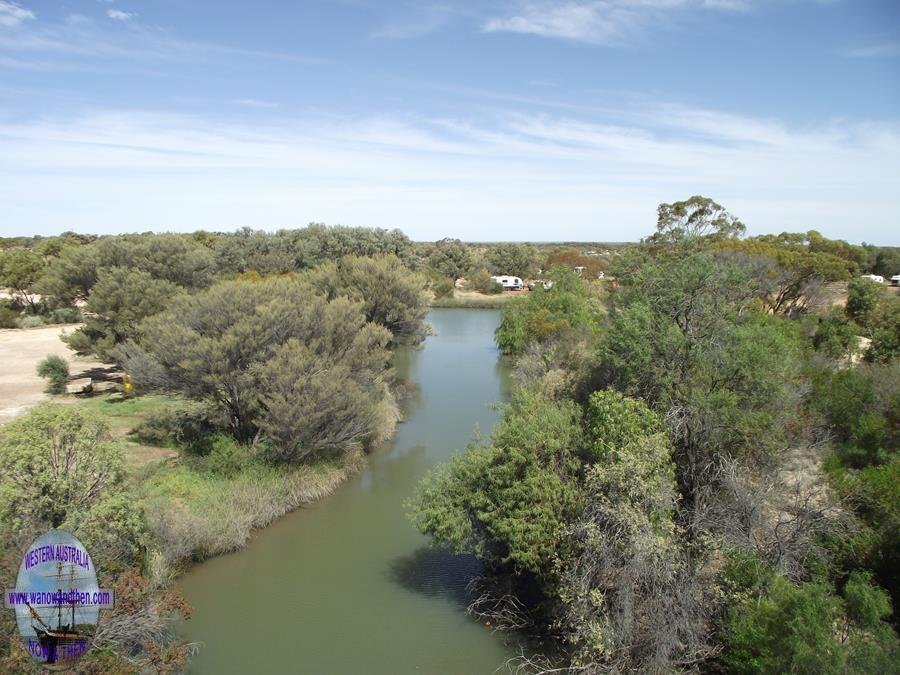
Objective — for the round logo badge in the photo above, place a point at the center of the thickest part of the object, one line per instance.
(57, 599)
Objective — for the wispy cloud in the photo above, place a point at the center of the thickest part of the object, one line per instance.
(884, 49)
(253, 103)
(416, 20)
(12, 14)
(119, 15)
(80, 42)
(591, 177)
(596, 21)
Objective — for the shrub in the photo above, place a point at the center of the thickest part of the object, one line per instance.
(57, 463)
(56, 370)
(64, 315)
(443, 287)
(8, 315)
(481, 281)
(863, 297)
(189, 425)
(30, 321)
(790, 631)
(226, 457)
(836, 335)
(546, 313)
(885, 345)
(273, 358)
(614, 421)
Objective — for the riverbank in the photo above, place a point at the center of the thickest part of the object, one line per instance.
(197, 507)
(473, 300)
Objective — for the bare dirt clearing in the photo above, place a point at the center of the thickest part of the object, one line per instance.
(20, 352)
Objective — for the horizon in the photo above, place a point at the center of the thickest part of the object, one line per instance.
(517, 118)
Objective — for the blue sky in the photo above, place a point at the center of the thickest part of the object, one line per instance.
(491, 120)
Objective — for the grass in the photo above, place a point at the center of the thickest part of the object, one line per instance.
(124, 414)
(199, 507)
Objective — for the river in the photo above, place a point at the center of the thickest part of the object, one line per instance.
(347, 585)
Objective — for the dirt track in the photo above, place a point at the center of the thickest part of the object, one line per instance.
(20, 351)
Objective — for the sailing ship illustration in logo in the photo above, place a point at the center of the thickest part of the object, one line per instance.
(57, 599)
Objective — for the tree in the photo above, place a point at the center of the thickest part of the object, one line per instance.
(255, 250)
(117, 303)
(451, 258)
(518, 260)
(863, 297)
(314, 405)
(391, 295)
(547, 313)
(571, 258)
(683, 337)
(887, 261)
(509, 503)
(266, 355)
(178, 259)
(695, 219)
(20, 270)
(56, 463)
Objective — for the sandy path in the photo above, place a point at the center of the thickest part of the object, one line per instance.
(20, 351)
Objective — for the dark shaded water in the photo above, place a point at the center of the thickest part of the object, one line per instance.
(347, 585)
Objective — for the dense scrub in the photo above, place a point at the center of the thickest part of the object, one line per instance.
(644, 501)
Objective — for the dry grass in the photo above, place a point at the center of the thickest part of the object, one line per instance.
(475, 300)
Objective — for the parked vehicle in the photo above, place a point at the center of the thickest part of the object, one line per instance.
(509, 283)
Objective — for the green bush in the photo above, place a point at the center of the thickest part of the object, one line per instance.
(226, 457)
(863, 297)
(614, 421)
(509, 503)
(188, 425)
(861, 406)
(836, 335)
(8, 314)
(63, 315)
(885, 345)
(481, 281)
(546, 313)
(443, 287)
(56, 370)
(789, 631)
(30, 321)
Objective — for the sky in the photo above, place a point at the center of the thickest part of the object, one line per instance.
(484, 120)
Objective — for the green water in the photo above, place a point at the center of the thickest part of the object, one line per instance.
(347, 585)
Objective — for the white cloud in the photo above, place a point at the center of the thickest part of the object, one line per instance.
(873, 51)
(540, 177)
(12, 14)
(119, 15)
(597, 21)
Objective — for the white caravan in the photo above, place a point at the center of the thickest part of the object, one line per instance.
(509, 283)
